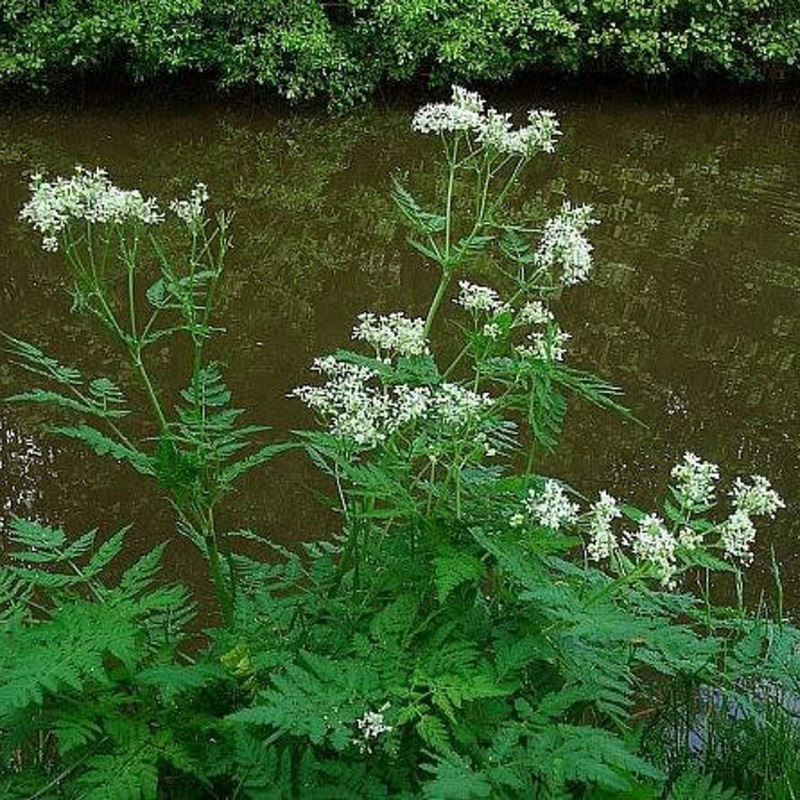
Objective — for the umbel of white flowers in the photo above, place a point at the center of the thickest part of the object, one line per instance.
(362, 411)
(484, 303)
(91, 197)
(467, 113)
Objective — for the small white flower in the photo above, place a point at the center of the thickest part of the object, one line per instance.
(550, 346)
(395, 333)
(495, 130)
(551, 507)
(370, 727)
(516, 520)
(535, 313)
(462, 114)
(756, 499)
(696, 480)
(411, 403)
(737, 536)
(466, 100)
(87, 197)
(466, 113)
(539, 136)
(358, 408)
(491, 330)
(564, 245)
(192, 211)
(477, 298)
(603, 542)
(459, 406)
(690, 539)
(652, 542)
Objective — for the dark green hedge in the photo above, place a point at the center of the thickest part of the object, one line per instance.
(340, 51)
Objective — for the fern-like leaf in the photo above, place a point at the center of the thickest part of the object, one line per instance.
(64, 653)
(105, 445)
(32, 359)
(454, 568)
(692, 785)
(422, 220)
(455, 779)
(318, 699)
(129, 772)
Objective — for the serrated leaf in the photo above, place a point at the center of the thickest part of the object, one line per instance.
(454, 568)
(231, 473)
(45, 397)
(105, 445)
(433, 732)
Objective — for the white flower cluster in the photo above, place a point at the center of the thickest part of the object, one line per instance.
(539, 135)
(652, 542)
(563, 243)
(394, 334)
(356, 411)
(535, 312)
(478, 299)
(370, 727)
(360, 409)
(87, 196)
(696, 480)
(602, 541)
(749, 500)
(549, 346)
(191, 212)
(758, 498)
(466, 113)
(463, 113)
(689, 538)
(456, 405)
(737, 536)
(551, 507)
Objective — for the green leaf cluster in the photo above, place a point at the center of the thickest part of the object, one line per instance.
(306, 49)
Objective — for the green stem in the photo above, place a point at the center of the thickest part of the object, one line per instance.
(219, 581)
(458, 466)
(430, 489)
(225, 547)
(441, 291)
(451, 179)
(136, 357)
(457, 360)
(131, 300)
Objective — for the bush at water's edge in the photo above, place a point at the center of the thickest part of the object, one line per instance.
(306, 49)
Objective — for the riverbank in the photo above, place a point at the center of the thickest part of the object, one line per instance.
(340, 54)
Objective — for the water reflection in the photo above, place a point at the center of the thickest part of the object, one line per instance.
(695, 309)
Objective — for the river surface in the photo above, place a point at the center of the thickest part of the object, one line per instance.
(694, 309)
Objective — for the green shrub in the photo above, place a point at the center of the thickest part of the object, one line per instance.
(304, 49)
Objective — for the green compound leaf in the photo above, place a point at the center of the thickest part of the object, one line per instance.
(454, 568)
(104, 445)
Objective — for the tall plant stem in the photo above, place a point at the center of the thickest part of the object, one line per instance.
(446, 258)
(215, 565)
(451, 180)
(136, 357)
(441, 291)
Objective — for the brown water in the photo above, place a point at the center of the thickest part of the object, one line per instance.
(695, 307)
